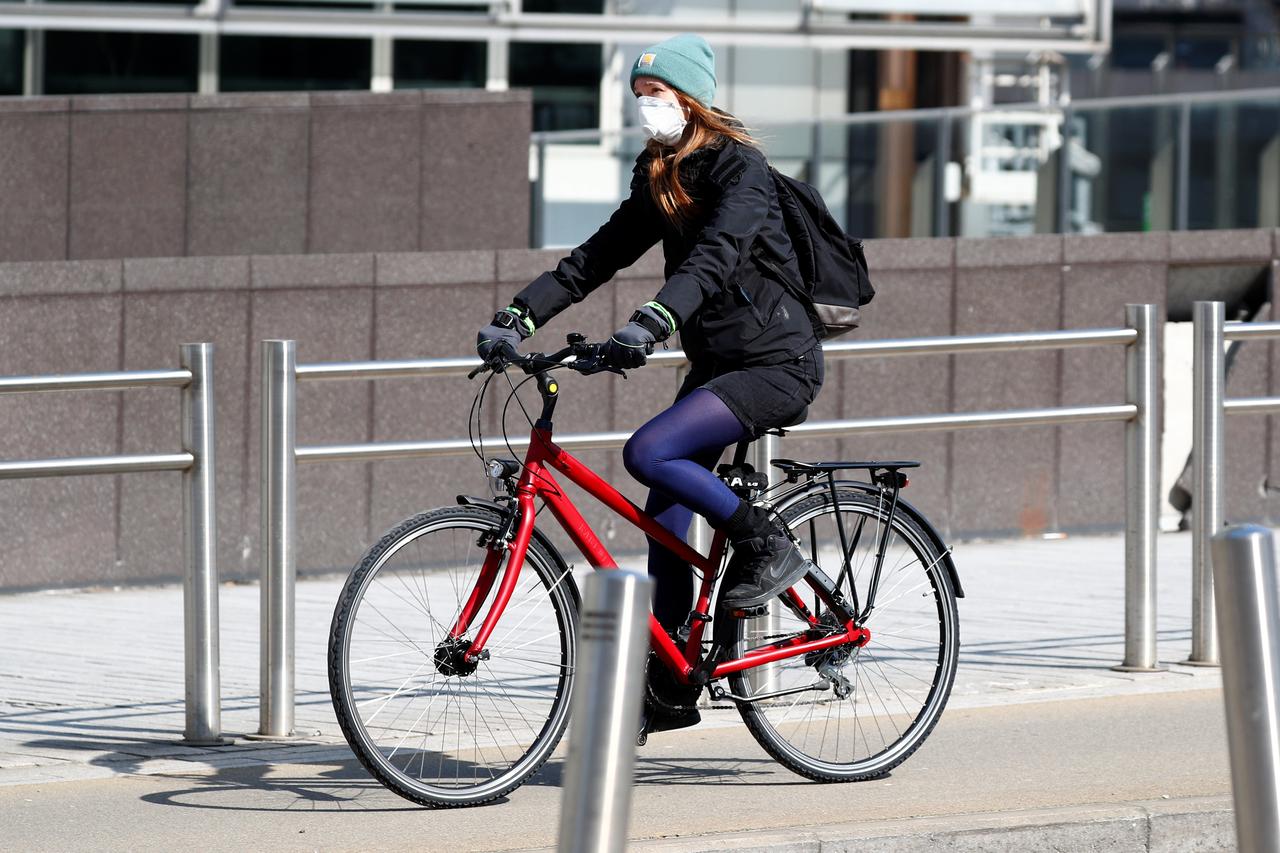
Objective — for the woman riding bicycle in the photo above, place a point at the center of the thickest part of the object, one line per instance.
(704, 189)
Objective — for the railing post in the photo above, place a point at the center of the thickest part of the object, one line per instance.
(606, 713)
(1248, 607)
(760, 678)
(200, 578)
(1208, 374)
(1141, 484)
(279, 500)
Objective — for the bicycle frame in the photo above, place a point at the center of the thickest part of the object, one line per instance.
(538, 481)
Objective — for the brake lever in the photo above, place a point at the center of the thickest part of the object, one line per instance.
(497, 362)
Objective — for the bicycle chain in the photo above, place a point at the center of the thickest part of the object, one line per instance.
(652, 697)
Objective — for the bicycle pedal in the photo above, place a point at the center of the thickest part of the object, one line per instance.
(749, 612)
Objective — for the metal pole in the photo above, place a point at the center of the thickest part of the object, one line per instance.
(1183, 197)
(942, 207)
(538, 215)
(200, 580)
(1064, 174)
(606, 713)
(1244, 569)
(1141, 483)
(1208, 376)
(766, 448)
(279, 500)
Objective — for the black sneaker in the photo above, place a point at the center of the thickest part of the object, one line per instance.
(761, 568)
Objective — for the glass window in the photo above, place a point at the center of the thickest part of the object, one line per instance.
(1132, 50)
(1200, 52)
(579, 7)
(565, 79)
(279, 63)
(108, 63)
(10, 62)
(439, 64)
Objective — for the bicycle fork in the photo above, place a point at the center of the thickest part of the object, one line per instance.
(511, 539)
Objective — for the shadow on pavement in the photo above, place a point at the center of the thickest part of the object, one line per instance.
(269, 788)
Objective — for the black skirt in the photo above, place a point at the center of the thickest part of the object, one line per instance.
(762, 397)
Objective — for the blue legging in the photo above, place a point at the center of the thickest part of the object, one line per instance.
(673, 455)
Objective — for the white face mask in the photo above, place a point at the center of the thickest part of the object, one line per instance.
(662, 120)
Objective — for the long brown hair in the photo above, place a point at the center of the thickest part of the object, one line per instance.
(706, 127)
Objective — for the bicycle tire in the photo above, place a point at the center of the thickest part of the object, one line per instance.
(512, 709)
(915, 638)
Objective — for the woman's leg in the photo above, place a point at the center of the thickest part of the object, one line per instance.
(673, 454)
(672, 576)
(663, 454)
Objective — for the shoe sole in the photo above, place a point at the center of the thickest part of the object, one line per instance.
(788, 580)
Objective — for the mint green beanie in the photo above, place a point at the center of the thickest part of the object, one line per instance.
(686, 62)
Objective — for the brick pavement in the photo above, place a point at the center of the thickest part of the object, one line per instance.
(91, 681)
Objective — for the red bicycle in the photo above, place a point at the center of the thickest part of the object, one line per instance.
(452, 648)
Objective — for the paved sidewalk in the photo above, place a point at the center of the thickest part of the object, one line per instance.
(91, 682)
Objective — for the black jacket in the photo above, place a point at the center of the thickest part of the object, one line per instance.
(732, 311)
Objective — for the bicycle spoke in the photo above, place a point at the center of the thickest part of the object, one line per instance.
(437, 726)
(895, 686)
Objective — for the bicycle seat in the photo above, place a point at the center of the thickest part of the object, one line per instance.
(782, 430)
(791, 467)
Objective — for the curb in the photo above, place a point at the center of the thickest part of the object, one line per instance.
(1150, 826)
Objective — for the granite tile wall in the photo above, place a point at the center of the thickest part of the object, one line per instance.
(128, 178)
(71, 316)
(1100, 276)
(135, 176)
(33, 169)
(1003, 480)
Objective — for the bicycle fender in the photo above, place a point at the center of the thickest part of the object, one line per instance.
(903, 506)
(486, 503)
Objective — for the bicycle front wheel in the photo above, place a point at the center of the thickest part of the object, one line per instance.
(430, 726)
(866, 708)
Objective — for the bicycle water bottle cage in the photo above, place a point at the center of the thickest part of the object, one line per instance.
(743, 480)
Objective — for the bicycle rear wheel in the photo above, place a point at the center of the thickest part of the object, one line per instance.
(871, 707)
(431, 727)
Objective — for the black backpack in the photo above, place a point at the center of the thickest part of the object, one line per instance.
(835, 281)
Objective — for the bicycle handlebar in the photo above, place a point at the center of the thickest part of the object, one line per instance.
(588, 358)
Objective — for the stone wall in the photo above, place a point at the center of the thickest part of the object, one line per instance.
(74, 316)
(138, 176)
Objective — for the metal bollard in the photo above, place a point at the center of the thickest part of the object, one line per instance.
(200, 580)
(1248, 608)
(606, 712)
(1141, 483)
(279, 501)
(1208, 376)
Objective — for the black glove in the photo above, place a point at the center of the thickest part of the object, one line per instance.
(510, 326)
(631, 345)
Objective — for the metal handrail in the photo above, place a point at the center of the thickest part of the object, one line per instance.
(281, 455)
(1250, 331)
(937, 113)
(1210, 405)
(72, 466)
(97, 381)
(999, 342)
(196, 462)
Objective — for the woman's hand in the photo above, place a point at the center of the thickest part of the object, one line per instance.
(508, 329)
(631, 345)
